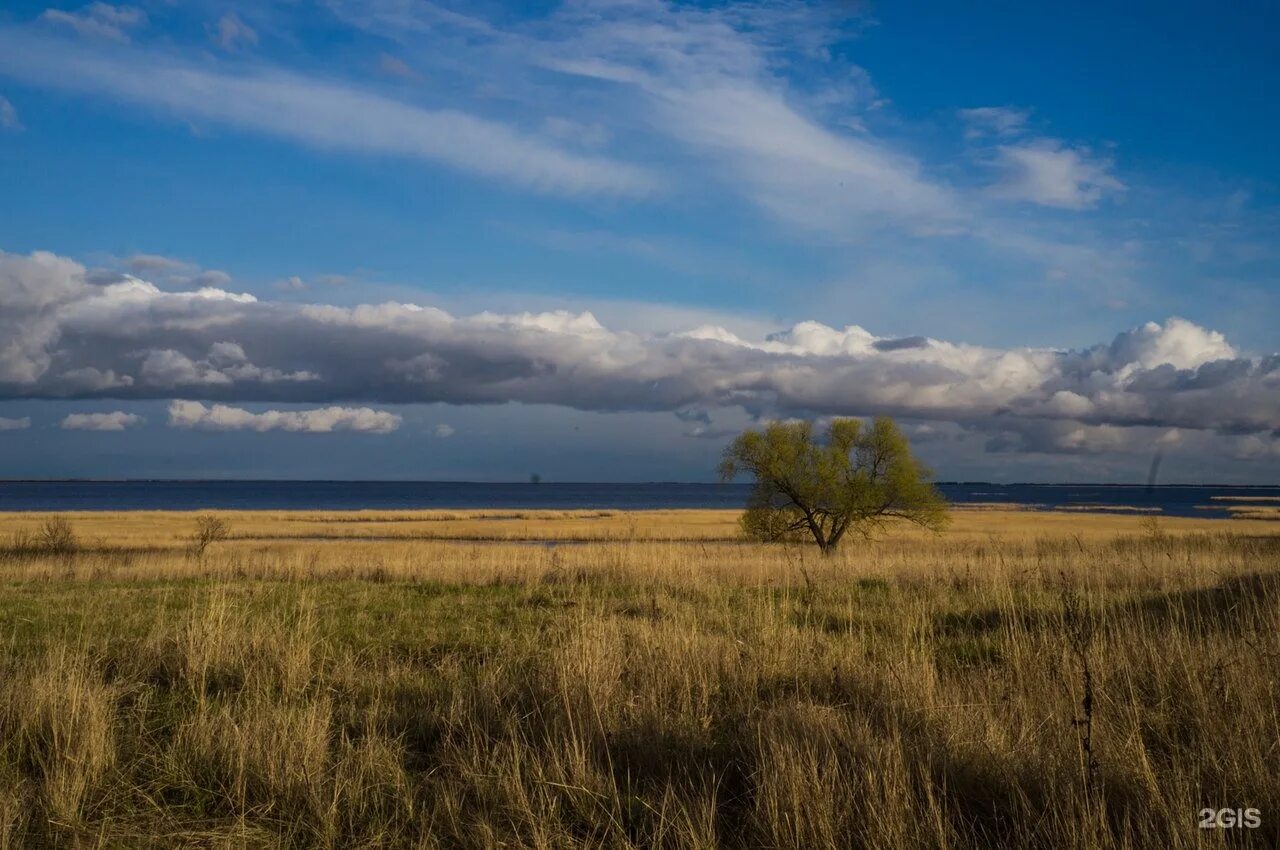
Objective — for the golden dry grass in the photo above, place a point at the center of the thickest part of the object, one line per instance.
(1022, 680)
(173, 529)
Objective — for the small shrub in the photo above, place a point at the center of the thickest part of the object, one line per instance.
(56, 536)
(209, 530)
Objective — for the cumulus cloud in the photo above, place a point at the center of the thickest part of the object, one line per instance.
(117, 420)
(100, 20)
(444, 431)
(1051, 174)
(325, 420)
(7, 424)
(66, 336)
(1177, 343)
(32, 291)
(224, 364)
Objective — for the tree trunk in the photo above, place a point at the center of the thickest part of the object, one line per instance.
(816, 530)
(833, 542)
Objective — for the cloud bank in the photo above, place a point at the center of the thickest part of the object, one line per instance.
(66, 334)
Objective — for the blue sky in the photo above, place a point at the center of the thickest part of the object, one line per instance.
(1045, 239)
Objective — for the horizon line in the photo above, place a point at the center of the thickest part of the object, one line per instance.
(526, 482)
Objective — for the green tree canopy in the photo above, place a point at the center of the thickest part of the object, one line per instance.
(855, 478)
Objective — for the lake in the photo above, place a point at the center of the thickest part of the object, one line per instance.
(1171, 500)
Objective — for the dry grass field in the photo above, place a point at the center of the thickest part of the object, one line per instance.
(607, 679)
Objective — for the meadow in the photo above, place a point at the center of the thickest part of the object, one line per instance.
(604, 679)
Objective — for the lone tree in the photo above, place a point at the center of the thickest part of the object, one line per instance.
(856, 478)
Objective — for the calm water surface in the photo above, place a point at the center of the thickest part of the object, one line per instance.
(397, 495)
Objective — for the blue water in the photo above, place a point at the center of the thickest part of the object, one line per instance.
(391, 495)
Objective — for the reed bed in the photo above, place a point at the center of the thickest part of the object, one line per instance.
(1076, 688)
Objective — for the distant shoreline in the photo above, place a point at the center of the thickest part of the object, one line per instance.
(526, 483)
(330, 495)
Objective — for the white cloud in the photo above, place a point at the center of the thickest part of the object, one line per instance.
(985, 121)
(230, 33)
(99, 20)
(707, 80)
(712, 99)
(1178, 343)
(8, 115)
(753, 98)
(444, 431)
(7, 424)
(224, 364)
(325, 420)
(32, 289)
(1046, 172)
(117, 420)
(66, 336)
(322, 114)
